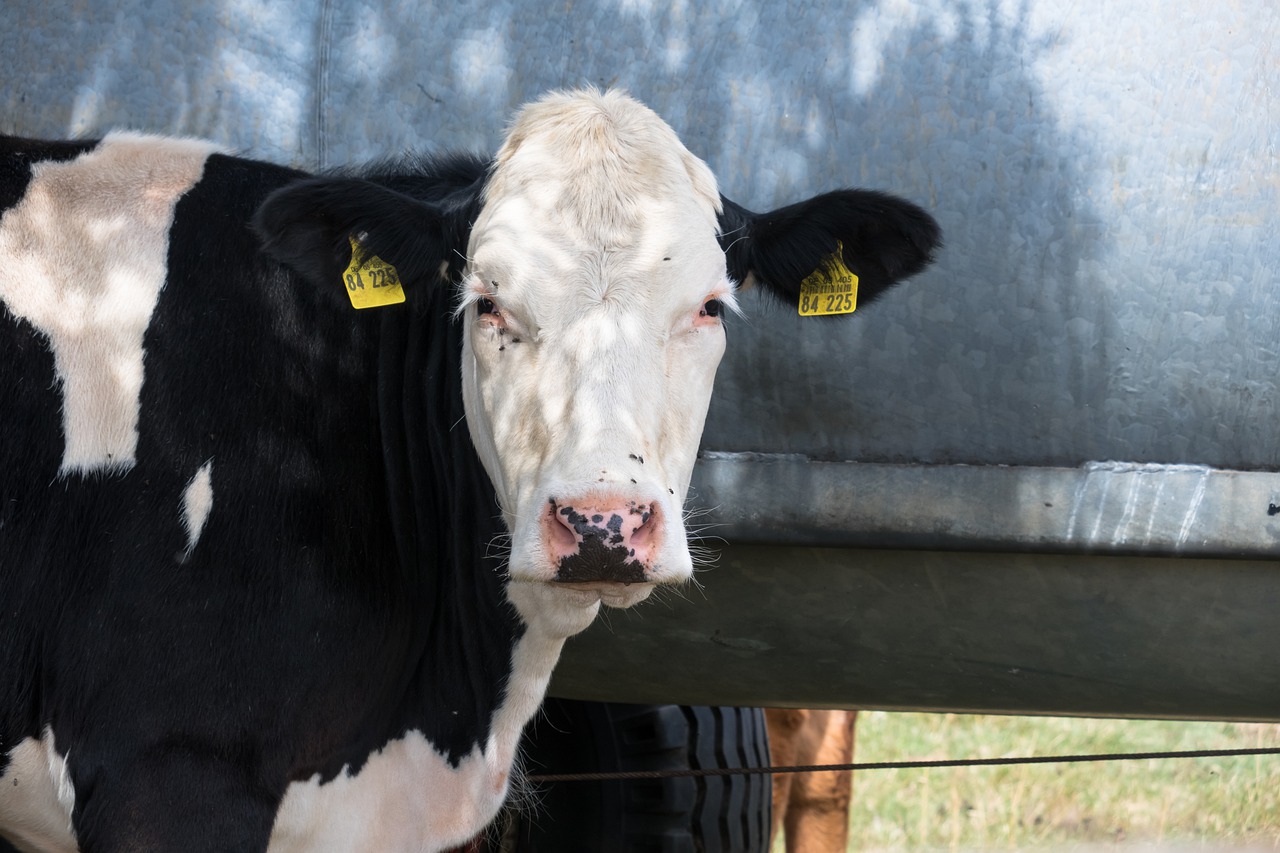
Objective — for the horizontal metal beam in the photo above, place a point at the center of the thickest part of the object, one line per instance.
(1100, 508)
(1092, 635)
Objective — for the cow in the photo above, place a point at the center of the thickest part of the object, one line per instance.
(282, 573)
(812, 807)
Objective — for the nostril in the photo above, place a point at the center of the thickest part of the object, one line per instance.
(559, 529)
(644, 537)
(602, 540)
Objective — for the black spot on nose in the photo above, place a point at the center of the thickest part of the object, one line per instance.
(602, 554)
(597, 560)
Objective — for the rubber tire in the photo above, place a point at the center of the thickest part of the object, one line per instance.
(723, 814)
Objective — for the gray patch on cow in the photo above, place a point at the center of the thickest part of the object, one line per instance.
(197, 502)
(83, 258)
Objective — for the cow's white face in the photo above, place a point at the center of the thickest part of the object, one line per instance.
(592, 287)
(591, 304)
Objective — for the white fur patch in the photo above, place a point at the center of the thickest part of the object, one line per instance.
(37, 798)
(83, 257)
(197, 502)
(407, 798)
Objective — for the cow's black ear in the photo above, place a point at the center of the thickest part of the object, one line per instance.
(883, 239)
(309, 224)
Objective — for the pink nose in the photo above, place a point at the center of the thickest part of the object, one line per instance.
(602, 540)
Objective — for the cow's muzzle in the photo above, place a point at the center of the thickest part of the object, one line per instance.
(605, 541)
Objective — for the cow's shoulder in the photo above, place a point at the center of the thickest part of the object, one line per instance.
(18, 155)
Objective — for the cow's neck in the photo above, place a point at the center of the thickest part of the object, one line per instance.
(480, 674)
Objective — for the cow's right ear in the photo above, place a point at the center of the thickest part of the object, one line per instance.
(309, 225)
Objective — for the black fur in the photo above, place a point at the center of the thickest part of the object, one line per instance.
(413, 222)
(341, 593)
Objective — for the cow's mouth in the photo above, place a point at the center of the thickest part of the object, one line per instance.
(609, 593)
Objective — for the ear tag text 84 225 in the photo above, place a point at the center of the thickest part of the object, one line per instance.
(370, 281)
(830, 289)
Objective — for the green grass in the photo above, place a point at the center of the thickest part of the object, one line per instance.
(1183, 802)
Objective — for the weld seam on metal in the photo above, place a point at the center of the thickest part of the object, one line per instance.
(322, 82)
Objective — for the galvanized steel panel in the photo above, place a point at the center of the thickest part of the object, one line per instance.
(1106, 174)
(1107, 508)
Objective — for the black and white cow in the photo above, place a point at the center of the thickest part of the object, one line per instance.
(279, 573)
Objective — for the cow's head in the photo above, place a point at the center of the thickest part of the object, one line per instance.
(600, 263)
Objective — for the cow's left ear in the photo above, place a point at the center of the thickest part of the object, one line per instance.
(882, 239)
(309, 224)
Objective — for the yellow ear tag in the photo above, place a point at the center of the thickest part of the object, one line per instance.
(830, 289)
(371, 282)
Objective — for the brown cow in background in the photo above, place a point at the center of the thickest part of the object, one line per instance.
(813, 807)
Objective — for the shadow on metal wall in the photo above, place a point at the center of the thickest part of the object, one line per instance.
(972, 363)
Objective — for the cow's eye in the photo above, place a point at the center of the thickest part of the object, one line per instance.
(485, 306)
(711, 308)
